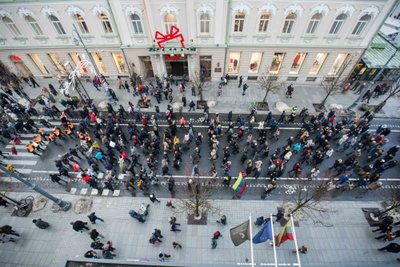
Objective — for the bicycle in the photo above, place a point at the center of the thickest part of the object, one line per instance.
(24, 207)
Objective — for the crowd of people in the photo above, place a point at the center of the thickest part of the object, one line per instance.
(102, 147)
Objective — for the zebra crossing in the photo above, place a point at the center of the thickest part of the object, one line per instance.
(24, 161)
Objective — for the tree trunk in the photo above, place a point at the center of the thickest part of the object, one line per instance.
(326, 98)
(197, 206)
(265, 97)
(301, 205)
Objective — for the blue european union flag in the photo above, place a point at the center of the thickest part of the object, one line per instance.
(264, 234)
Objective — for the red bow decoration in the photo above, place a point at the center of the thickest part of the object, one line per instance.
(173, 34)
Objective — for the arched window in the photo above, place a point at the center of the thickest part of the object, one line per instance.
(264, 20)
(81, 23)
(361, 24)
(106, 23)
(239, 22)
(137, 24)
(313, 24)
(337, 24)
(57, 24)
(289, 21)
(169, 20)
(204, 23)
(11, 26)
(35, 26)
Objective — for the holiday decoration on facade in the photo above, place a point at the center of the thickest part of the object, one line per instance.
(173, 34)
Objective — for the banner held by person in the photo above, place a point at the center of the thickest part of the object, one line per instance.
(240, 184)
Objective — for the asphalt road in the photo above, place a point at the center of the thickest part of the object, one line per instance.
(287, 187)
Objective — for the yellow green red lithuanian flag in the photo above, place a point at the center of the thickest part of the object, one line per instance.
(240, 184)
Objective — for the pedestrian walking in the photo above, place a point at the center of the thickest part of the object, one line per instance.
(153, 198)
(176, 245)
(55, 178)
(94, 235)
(93, 217)
(392, 247)
(289, 91)
(7, 229)
(41, 224)
(245, 86)
(240, 81)
(78, 226)
(162, 256)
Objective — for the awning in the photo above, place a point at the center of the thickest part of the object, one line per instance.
(388, 30)
(379, 52)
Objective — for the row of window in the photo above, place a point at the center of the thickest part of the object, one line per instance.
(277, 60)
(238, 25)
(59, 65)
(79, 20)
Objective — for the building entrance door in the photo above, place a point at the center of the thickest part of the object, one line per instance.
(147, 67)
(177, 67)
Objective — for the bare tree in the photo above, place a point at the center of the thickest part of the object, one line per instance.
(308, 203)
(389, 205)
(198, 83)
(196, 199)
(394, 89)
(269, 83)
(334, 84)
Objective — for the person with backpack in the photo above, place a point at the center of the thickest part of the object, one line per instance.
(41, 224)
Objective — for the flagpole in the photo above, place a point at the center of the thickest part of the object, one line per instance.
(273, 239)
(295, 241)
(251, 243)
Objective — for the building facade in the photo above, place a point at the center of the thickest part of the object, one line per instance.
(298, 41)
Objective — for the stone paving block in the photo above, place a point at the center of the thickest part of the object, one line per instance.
(83, 191)
(105, 192)
(73, 190)
(94, 192)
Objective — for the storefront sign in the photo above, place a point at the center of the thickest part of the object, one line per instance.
(217, 69)
(173, 34)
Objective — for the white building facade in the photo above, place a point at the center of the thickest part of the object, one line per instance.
(298, 41)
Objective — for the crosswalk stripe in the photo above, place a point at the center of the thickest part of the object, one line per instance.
(23, 155)
(23, 171)
(21, 162)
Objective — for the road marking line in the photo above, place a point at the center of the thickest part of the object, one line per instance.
(21, 162)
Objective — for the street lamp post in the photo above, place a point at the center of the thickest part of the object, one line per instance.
(74, 75)
(64, 205)
(96, 71)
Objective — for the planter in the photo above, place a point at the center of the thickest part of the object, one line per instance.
(201, 220)
(263, 106)
(201, 104)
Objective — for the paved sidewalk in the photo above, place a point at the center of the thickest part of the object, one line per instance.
(349, 242)
(232, 99)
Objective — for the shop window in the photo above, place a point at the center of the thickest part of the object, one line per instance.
(34, 25)
(313, 24)
(11, 26)
(297, 62)
(255, 62)
(137, 24)
(263, 24)
(340, 59)
(35, 58)
(98, 60)
(234, 60)
(169, 20)
(119, 62)
(205, 23)
(205, 66)
(77, 59)
(360, 26)
(318, 62)
(276, 63)
(55, 58)
(239, 22)
(311, 79)
(105, 21)
(291, 79)
(57, 24)
(337, 24)
(81, 24)
(289, 22)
